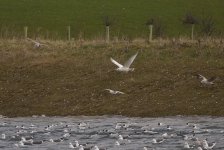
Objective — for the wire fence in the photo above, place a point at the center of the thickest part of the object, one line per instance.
(13, 32)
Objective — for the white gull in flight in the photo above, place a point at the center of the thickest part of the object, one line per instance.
(206, 81)
(127, 64)
(36, 43)
(114, 92)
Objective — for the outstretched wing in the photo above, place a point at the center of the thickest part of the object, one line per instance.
(212, 79)
(119, 92)
(130, 61)
(108, 90)
(116, 63)
(33, 41)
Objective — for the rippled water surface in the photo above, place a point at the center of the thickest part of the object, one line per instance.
(57, 132)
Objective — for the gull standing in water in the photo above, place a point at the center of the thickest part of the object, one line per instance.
(95, 148)
(187, 146)
(72, 146)
(158, 141)
(165, 135)
(82, 125)
(114, 92)
(206, 81)
(168, 127)
(76, 145)
(3, 136)
(160, 124)
(120, 137)
(199, 148)
(20, 144)
(127, 64)
(81, 147)
(117, 143)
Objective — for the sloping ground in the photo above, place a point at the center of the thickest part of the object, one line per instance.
(68, 79)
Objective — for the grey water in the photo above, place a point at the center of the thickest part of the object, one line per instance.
(55, 133)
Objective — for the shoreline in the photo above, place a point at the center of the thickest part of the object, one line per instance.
(110, 116)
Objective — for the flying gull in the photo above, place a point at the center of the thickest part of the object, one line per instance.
(36, 43)
(127, 64)
(114, 92)
(206, 81)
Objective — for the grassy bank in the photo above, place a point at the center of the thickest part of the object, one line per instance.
(49, 18)
(69, 79)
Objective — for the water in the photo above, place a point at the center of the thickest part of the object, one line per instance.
(101, 131)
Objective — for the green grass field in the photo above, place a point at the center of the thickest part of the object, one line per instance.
(49, 18)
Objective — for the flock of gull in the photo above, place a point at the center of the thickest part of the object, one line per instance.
(121, 134)
(24, 135)
(126, 68)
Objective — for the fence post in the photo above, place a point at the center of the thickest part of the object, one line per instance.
(69, 32)
(25, 31)
(107, 34)
(150, 33)
(192, 32)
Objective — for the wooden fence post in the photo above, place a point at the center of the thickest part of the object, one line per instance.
(150, 33)
(69, 32)
(192, 32)
(25, 31)
(107, 34)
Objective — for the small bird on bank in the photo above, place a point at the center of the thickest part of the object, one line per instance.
(127, 64)
(206, 81)
(36, 43)
(114, 92)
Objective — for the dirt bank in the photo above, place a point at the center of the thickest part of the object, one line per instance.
(69, 79)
